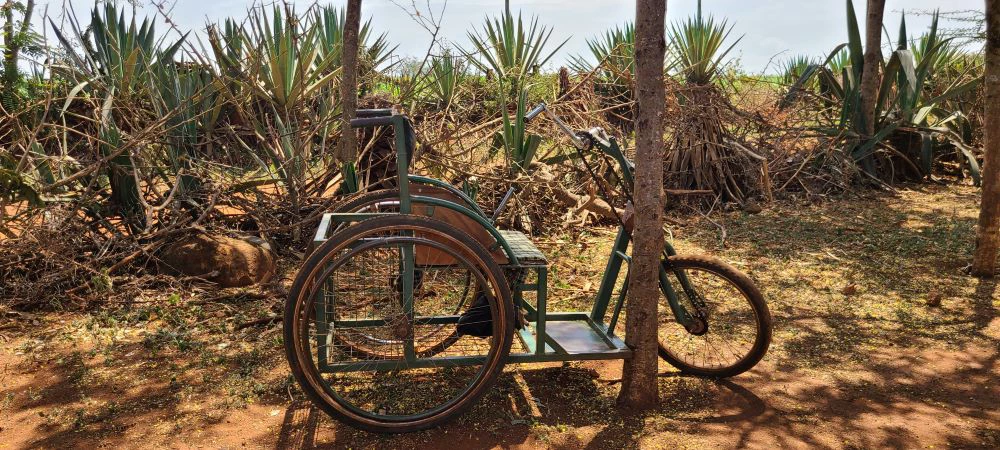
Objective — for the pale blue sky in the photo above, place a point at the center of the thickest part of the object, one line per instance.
(771, 28)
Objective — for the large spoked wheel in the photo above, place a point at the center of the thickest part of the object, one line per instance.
(352, 289)
(731, 330)
(436, 339)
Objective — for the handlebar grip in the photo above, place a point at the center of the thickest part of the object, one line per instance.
(368, 113)
(366, 122)
(534, 112)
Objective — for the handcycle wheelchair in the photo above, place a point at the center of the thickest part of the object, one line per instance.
(412, 301)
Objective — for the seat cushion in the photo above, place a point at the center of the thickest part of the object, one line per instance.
(525, 251)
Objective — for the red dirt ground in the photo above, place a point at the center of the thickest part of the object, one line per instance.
(873, 368)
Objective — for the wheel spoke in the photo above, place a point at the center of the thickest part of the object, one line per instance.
(357, 330)
(734, 326)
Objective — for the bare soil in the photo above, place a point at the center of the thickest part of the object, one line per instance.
(860, 358)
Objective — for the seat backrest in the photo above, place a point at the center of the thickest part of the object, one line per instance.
(459, 221)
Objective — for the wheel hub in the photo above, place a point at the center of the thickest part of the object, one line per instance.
(698, 326)
(401, 328)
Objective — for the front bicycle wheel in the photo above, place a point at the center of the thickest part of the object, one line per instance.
(359, 286)
(730, 330)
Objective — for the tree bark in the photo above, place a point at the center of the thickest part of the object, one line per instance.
(12, 48)
(349, 82)
(639, 386)
(871, 76)
(988, 234)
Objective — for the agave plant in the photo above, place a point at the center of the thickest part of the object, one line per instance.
(284, 58)
(941, 53)
(613, 53)
(518, 145)
(228, 47)
(189, 98)
(511, 48)
(794, 67)
(117, 53)
(373, 54)
(117, 64)
(697, 43)
(702, 155)
(446, 75)
(911, 121)
(839, 60)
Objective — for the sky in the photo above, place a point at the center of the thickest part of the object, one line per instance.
(772, 30)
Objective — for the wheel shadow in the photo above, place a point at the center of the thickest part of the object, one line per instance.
(742, 404)
(298, 427)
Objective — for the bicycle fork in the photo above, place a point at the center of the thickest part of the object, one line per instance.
(694, 323)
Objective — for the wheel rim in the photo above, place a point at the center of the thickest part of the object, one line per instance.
(436, 340)
(357, 286)
(731, 324)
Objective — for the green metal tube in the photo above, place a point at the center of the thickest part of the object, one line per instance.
(610, 276)
(422, 199)
(451, 189)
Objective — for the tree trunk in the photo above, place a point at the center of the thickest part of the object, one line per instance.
(563, 82)
(13, 37)
(639, 387)
(988, 235)
(349, 82)
(870, 78)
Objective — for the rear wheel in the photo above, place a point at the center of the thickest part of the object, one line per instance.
(351, 290)
(732, 324)
(435, 339)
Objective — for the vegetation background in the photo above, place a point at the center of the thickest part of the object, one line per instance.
(119, 140)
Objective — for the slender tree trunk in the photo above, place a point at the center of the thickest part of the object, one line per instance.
(988, 234)
(349, 81)
(870, 78)
(12, 49)
(639, 387)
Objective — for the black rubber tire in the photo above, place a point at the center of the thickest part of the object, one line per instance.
(749, 290)
(299, 356)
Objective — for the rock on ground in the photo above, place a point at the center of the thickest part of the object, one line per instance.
(225, 260)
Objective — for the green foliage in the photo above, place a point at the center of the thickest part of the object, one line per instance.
(118, 55)
(447, 72)
(907, 103)
(518, 145)
(284, 63)
(188, 97)
(351, 183)
(613, 53)
(118, 64)
(19, 39)
(228, 47)
(511, 49)
(841, 60)
(13, 185)
(614, 58)
(794, 67)
(698, 44)
(372, 55)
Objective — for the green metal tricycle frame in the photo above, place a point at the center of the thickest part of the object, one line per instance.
(549, 336)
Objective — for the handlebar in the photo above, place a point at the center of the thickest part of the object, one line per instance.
(534, 112)
(367, 113)
(365, 118)
(366, 122)
(573, 136)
